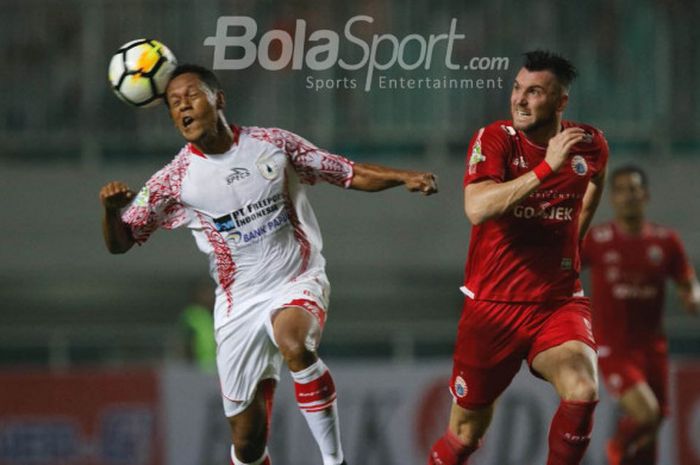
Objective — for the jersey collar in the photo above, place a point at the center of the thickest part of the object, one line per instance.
(236, 136)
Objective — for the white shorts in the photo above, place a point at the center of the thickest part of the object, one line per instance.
(246, 349)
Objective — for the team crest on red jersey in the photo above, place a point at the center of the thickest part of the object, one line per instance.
(461, 388)
(579, 165)
(655, 254)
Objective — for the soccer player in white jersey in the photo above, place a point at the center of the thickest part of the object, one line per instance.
(239, 190)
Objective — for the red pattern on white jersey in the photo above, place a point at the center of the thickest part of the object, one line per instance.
(309, 161)
(163, 208)
(271, 236)
(225, 266)
(299, 234)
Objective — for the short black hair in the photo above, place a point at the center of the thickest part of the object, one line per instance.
(630, 169)
(205, 75)
(544, 60)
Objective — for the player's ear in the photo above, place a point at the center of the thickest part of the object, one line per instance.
(220, 100)
(563, 101)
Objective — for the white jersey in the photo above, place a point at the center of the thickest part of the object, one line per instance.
(246, 209)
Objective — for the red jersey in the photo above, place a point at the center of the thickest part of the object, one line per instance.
(628, 277)
(530, 253)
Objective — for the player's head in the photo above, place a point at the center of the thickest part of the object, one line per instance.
(541, 90)
(194, 99)
(629, 192)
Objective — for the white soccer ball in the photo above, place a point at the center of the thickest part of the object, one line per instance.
(140, 70)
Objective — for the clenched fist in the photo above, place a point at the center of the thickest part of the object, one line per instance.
(116, 195)
(425, 183)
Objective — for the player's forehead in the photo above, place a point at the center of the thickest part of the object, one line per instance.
(627, 180)
(183, 83)
(544, 78)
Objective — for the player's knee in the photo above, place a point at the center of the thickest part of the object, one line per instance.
(470, 439)
(581, 389)
(649, 416)
(294, 350)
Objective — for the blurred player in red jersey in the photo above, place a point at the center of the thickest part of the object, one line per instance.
(240, 192)
(630, 259)
(530, 190)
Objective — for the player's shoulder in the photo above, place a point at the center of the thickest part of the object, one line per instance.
(276, 137)
(594, 140)
(501, 129)
(265, 133)
(602, 233)
(660, 231)
(180, 162)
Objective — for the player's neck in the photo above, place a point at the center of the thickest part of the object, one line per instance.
(631, 226)
(541, 135)
(218, 141)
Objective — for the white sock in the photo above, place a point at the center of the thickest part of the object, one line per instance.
(264, 460)
(315, 393)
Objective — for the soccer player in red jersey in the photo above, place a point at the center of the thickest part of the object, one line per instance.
(530, 189)
(630, 259)
(240, 191)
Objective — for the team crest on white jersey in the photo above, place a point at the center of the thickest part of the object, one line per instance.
(142, 197)
(268, 168)
(579, 165)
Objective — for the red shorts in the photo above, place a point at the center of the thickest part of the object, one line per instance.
(623, 368)
(493, 338)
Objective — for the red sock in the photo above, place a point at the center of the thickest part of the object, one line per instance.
(627, 433)
(570, 432)
(449, 450)
(646, 455)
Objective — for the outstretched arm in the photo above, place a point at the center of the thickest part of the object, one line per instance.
(372, 178)
(489, 199)
(117, 235)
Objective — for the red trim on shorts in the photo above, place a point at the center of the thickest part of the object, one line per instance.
(310, 306)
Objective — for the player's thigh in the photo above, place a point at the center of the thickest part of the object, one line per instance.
(488, 352)
(295, 329)
(470, 425)
(564, 352)
(571, 368)
(657, 375)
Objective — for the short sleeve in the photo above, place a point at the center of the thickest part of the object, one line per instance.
(157, 204)
(680, 268)
(486, 156)
(313, 164)
(603, 155)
